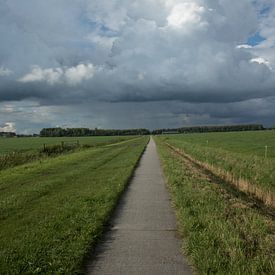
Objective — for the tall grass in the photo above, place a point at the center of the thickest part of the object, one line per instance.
(17, 158)
(222, 234)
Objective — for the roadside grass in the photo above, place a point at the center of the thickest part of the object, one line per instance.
(53, 211)
(222, 234)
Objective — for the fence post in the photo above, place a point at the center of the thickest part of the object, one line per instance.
(62, 144)
(77, 142)
(44, 146)
(265, 152)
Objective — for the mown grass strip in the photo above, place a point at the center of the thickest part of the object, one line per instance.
(19, 157)
(222, 234)
(54, 211)
(30, 144)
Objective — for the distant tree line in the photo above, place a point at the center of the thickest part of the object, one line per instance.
(206, 129)
(77, 132)
(7, 134)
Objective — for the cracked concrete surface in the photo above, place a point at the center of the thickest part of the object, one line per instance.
(142, 238)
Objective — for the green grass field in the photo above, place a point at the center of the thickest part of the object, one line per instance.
(222, 233)
(247, 143)
(53, 210)
(239, 153)
(8, 145)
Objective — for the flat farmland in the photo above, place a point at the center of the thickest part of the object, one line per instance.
(223, 189)
(224, 231)
(8, 145)
(238, 156)
(248, 143)
(54, 210)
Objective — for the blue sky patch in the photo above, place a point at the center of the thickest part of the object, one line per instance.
(255, 40)
(265, 10)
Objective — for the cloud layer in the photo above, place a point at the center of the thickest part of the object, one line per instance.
(69, 76)
(195, 56)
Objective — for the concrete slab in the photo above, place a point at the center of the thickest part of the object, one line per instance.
(142, 238)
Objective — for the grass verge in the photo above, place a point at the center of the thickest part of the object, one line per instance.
(222, 233)
(53, 211)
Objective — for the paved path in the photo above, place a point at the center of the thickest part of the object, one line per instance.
(142, 239)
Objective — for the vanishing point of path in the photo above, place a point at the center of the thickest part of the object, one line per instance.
(143, 237)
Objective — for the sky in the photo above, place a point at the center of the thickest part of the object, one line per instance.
(136, 63)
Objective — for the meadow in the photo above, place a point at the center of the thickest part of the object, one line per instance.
(54, 207)
(17, 151)
(53, 211)
(237, 157)
(26, 144)
(224, 232)
(247, 143)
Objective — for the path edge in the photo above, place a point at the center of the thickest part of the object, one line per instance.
(106, 226)
(175, 211)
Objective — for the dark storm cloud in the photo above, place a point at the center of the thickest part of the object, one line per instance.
(100, 59)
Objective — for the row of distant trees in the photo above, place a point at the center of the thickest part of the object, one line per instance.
(7, 134)
(76, 132)
(206, 129)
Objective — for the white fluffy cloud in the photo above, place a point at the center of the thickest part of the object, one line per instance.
(79, 73)
(8, 127)
(186, 14)
(261, 60)
(71, 76)
(51, 76)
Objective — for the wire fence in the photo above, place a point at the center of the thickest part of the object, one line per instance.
(71, 143)
(267, 150)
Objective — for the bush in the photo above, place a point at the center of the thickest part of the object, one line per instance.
(16, 158)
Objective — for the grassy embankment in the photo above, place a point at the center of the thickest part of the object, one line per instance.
(237, 157)
(16, 151)
(53, 211)
(223, 234)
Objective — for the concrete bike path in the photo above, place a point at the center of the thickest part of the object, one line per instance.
(142, 238)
